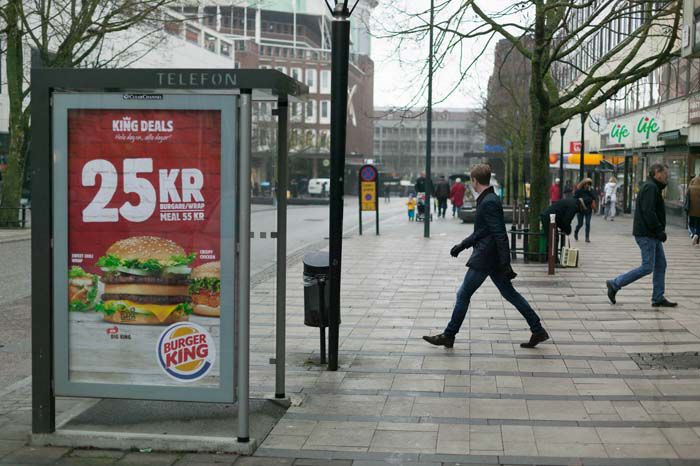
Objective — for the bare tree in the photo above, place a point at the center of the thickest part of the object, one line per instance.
(64, 34)
(583, 52)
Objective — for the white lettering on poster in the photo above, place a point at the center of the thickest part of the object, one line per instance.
(185, 204)
(127, 124)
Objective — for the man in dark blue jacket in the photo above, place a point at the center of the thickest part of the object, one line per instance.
(490, 258)
(649, 230)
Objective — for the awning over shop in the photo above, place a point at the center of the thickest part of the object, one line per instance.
(572, 161)
(588, 159)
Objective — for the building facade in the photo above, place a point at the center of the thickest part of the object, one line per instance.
(292, 37)
(649, 121)
(400, 141)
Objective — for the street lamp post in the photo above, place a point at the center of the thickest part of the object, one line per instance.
(340, 56)
(562, 130)
(584, 115)
(429, 128)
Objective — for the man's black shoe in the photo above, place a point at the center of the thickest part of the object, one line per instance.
(535, 339)
(576, 235)
(440, 340)
(611, 291)
(664, 303)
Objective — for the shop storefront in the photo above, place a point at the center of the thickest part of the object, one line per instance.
(654, 136)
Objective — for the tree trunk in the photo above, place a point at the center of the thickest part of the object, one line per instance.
(539, 169)
(18, 120)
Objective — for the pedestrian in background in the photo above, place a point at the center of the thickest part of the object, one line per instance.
(649, 232)
(692, 200)
(554, 192)
(457, 195)
(442, 193)
(411, 204)
(585, 192)
(568, 190)
(490, 258)
(610, 198)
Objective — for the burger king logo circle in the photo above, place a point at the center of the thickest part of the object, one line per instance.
(186, 351)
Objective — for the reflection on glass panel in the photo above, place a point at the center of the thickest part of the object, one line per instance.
(675, 192)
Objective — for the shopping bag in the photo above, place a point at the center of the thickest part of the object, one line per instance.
(569, 256)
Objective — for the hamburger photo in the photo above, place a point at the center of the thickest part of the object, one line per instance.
(82, 290)
(146, 282)
(205, 289)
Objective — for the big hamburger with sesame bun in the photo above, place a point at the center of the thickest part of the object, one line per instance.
(205, 289)
(146, 282)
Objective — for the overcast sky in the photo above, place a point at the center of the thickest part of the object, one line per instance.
(399, 75)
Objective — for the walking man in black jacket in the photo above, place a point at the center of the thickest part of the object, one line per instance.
(649, 230)
(490, 258)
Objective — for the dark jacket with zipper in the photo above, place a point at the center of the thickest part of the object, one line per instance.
(489, 241)
(565, 211)
(650, 211)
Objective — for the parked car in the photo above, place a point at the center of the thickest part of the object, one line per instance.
(319, 186)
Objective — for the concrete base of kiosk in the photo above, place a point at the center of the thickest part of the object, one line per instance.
(162, 426)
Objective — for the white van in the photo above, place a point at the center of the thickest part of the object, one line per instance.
(316, 186)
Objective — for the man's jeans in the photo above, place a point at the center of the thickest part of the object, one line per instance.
(472, 281)
(653, 261)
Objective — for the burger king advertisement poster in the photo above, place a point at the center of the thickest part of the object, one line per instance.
(144, 237)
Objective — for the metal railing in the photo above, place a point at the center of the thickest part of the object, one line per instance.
(21, 220)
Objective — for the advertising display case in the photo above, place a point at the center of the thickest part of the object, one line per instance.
(141, 227)
(143, 257)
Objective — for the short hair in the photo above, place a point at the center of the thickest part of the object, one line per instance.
(656, 168)
(481, 173)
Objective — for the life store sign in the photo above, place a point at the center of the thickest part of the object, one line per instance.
(635, 132)
(144, 233)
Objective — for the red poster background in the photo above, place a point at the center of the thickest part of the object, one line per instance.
(194, 143)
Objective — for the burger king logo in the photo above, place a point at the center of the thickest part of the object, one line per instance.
(186, 351)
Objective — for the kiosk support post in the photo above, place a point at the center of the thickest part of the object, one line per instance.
(43, 398)
(244, 268)
(282, 175)
(340, 39)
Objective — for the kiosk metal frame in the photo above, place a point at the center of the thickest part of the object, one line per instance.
(249, 85)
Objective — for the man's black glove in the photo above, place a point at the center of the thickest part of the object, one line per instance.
(662, 237)
(508, 272)
(456, 249)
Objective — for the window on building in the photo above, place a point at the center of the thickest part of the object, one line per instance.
(310, 115)
(283, 69)
(311, 79)
(324, 139)
(325, 114)
(295, 139)
(297, 111)
(310, 138)
(325, 81)
(694, 76)
(296, 74)
(683, 70)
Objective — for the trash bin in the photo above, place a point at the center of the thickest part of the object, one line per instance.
(316, 296)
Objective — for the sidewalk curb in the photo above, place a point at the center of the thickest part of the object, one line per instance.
(129, 441)
(15, 235)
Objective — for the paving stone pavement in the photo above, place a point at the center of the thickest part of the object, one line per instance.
(578, 399)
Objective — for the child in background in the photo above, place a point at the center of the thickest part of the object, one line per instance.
(411, 203)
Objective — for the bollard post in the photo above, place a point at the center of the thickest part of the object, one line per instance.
(526, 244)
(551, 244)
(513, 253)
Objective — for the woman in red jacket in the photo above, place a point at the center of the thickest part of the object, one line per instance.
(457, 195)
